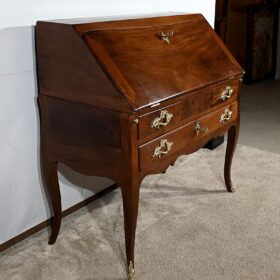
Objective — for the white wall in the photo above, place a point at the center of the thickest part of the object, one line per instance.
(26, 12)
(22, 199)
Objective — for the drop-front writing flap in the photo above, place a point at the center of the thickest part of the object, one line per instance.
(150, 64)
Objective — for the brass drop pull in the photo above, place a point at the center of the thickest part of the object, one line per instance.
(163, 119)
(166, 36)
(198, 129)
(163, 148)
(226, 93)
(226, 115)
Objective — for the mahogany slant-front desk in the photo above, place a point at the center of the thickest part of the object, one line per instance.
(123, 99)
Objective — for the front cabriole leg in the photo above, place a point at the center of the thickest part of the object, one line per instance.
(130, 182)
(130, 195)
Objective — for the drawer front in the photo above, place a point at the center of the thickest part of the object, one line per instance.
(174, 141)
(167, 118)
(160, 121)
(225, 93)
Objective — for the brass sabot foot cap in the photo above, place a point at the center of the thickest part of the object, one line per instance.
(232, 190)
(131, 272)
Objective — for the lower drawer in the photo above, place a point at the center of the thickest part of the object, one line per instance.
(177, 139)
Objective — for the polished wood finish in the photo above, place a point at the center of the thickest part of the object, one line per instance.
(139, 54)
(103, 84)
(232, 141)
(64, 73)
(184, 136)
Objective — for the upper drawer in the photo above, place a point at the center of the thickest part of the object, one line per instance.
(154, 63)
(186, 107)
(167, 118)
(225, 93)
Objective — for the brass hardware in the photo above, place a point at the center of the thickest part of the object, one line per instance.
(226, 115)
(136, 121)
(131, 272)
(166, 36)
(163, 120)
(198, 129)
(226, 93)
(163, 148)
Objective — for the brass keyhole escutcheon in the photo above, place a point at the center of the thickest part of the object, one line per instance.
(165, 37)
(198, 129)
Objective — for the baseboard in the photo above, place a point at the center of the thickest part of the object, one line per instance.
(4, 246)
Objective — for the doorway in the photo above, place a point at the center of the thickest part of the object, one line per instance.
(237, 23)
(250, 30)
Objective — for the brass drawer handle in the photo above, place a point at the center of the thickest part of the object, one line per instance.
(198, 129)
(163, 148)
(163, 120)
(166, 36)
(226, 93)
(226, 115)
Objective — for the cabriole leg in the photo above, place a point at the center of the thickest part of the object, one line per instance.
(49, 170)
(231, 145)
(130, 194)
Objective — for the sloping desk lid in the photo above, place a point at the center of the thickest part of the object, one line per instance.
(148, 68)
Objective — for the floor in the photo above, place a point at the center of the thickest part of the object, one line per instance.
(248, 236)
(189, 227)
(260, 115)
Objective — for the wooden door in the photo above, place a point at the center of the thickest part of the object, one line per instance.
(221, 18)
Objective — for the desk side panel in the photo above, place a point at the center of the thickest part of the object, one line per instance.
(66, 69)
(86, 138)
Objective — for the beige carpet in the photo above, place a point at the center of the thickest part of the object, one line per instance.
(189, 227)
